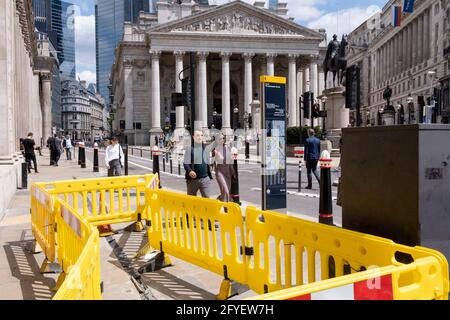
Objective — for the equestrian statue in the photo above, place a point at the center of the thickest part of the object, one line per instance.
(335, 60)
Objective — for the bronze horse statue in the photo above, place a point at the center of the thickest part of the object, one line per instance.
(336, 61)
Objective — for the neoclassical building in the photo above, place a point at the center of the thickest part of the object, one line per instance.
(234, 44)
(82, 111)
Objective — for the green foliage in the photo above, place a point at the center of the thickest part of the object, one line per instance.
(293, 134)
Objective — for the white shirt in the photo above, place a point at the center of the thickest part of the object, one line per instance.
(113, 153)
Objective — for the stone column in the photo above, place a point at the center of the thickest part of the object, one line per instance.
(427, 35)
(414, 42)
(203, 89)
(156, 97)
(248, 83)
(420, 40)
(179, 55)
(410, 46)
(226, 112)
(405, 50)
(128, 88)
(292, 89)
(306, 82)
(47, 105)
(400, 52)
(271, 64)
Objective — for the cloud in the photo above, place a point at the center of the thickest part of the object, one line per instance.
(85, 42)
(343, 21)
(88, 76)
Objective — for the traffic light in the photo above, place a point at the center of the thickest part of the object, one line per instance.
(316, 111)
(352, 87)
(186, 92)
(308, 97)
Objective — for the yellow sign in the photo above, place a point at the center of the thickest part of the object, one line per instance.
(271, 79)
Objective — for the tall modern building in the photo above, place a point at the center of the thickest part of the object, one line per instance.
(109, 19)
(273, 4)
(56, 18)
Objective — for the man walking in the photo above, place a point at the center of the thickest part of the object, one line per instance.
(114, 158)
(312, 156)
(52, 147)
(196, 164)
(67, 144)
(58, 149)
(28, 145)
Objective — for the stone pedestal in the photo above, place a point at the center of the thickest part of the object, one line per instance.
(388, 116)
(338, 116)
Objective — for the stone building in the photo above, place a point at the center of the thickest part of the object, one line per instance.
(410, 59)
(25, 89)
(234, 44)
(82, 111)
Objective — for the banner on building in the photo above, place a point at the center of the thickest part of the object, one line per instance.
(396, 16)
(408, 6)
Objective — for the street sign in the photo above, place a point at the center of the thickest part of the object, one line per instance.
(274, 187)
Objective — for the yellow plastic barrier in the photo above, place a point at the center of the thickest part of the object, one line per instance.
(43, 222)
(420, 280)
(104, 201)
(288, 251)
(204, 232)
(78, 255)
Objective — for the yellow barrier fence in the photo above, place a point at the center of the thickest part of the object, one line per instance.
(105, 200)
(43, 223)
(78, 255)
(290, 252)
(204, 232)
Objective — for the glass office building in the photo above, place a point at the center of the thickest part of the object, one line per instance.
(273, 4)
(109, 18)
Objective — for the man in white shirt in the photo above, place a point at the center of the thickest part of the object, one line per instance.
(67, 144)
(114, 158)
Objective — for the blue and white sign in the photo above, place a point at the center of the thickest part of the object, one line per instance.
(408, 6)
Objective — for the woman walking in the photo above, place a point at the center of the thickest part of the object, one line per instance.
(224, 168)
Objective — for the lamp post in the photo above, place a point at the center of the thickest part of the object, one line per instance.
(410, 101)
(235, 121)
(324, 116)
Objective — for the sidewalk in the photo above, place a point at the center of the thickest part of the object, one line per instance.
(19, 269)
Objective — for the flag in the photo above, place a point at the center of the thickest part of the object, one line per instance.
(396, 16)
(408, 6)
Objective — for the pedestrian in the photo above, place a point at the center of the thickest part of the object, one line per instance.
(30, 156)
(67, 144)
(223, 167)
(59, 149)
(312, 156)
(161, 141)
(51, 146)
(114, 158)
(196, 164)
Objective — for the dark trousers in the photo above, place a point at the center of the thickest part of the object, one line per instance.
(69, 153)
(52, 157)
(115, 168)
(57, 157)
(311, 167)
(28, 158)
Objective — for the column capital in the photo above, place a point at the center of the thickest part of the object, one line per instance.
(155, 53)
(271, 55)
(248, 55)
(226, 55)
(202, 55)
(293, 57)
(46, 76)
(179, 53)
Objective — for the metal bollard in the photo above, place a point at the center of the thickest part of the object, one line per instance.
(257, 146)
(326, 199)
(179, 167)
(164, 163)
(171, 167)
(141, 152)
(155, 155)
(25, 175)
(83, 157)
(300, 164)
(96, 169)
(132, 151)
(126, 159)
(79, 153)
(234, 192)
(247, 151)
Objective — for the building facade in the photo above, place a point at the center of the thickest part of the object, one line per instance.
(233, 45)
(82, 111)
(25, 89)
(409, 59)
(109, 19)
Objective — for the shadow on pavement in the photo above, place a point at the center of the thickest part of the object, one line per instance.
(25, 268)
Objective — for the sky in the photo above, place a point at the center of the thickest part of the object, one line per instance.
(336, 16)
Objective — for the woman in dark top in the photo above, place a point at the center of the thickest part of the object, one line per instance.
(224, 168)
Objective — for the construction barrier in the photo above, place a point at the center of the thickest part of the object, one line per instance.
(204, 232)
(290, 252)
(78, 255)
(43, 223)
(275, 255)
(104, 201)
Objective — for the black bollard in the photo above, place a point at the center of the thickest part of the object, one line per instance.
(257, 146)
(25, 175)
(155, 154)
(179, 166)
(83, 157)
(234, 192)
(79, 153)
(164, 162)
(171, 165)
(126, 159)
(96, 169)
(141, 152)
(326, 199)
(300, 176)
(247, 151)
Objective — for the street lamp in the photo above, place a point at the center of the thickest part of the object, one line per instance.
(324, 115)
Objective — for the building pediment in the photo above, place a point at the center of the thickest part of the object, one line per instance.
(237, 18)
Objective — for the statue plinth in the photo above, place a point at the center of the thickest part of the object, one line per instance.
(388, 116)
(338, 116)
